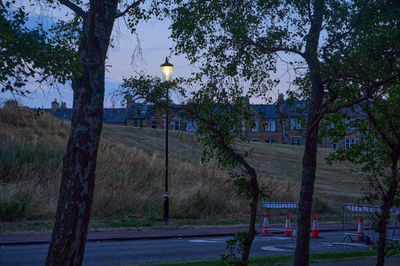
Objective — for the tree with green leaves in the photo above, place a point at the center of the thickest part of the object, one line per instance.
(219, 110)
(88, 28)
(378, 155)
(245, 38)
(34, 54)
(374, 68)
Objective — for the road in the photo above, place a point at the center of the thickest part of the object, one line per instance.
(172, 250)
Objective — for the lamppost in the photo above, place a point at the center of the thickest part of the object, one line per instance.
(166, 70)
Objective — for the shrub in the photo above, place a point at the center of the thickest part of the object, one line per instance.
(12, 210)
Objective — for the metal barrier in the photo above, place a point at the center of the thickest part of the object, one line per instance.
(280, 205)
(352, 212)
(277, 206)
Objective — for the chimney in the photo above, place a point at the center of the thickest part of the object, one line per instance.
(63, 105)
(54, 105)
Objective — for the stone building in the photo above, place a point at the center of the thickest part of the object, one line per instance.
(282, 124)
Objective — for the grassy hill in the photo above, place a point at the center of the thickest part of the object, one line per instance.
(130, 173)
(277, 164)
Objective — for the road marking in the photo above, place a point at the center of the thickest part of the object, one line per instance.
(206, 240)
(273, 238)
(349, 244)
(272, 248)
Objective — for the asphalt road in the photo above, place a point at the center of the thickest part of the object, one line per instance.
(172, 250)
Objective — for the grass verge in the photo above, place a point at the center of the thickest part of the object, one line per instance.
(284, 259)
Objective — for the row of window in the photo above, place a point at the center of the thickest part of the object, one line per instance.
(176, 125)
(347, 143)
(191, 126)
(270, 126)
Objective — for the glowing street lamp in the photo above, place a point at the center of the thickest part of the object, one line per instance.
(166, 70)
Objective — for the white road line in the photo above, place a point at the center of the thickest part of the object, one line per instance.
(272, 248)
(206, 240)
(273, 238)
(349, 244)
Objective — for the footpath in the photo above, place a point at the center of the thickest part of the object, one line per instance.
(145, 233)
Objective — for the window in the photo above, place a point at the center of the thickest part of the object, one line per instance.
(254, 126)
(191, 126)
(348, 142)
(296, 141)
(153, 124)
(350, 123)
(335, 145)
(270, 126)
(295, 123)
(176, 125)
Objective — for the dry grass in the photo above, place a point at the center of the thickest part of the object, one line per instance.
(277, 165)
(130, 181)
(130, 172)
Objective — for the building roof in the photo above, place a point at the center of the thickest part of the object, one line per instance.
(267, 111)
(62, 113)
(141, 111)
(114, 115)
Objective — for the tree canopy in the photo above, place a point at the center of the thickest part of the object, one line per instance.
(29, 54)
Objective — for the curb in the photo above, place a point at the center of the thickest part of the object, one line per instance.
(122, 238)
(38, 242)
(151, 234)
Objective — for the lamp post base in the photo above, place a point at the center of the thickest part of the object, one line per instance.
(166, 208)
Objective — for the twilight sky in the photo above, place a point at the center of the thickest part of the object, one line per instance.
(154, 42)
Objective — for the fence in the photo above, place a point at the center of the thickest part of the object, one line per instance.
(352, 212)
(275, 211)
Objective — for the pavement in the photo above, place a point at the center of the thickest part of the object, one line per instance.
(163, 232)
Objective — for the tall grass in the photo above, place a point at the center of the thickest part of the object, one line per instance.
(130, 173)
(129, 181)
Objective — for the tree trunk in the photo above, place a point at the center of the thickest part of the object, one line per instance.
(388, 200)
(253, 216)
(310, 150)
(381, 228)
(76, 193)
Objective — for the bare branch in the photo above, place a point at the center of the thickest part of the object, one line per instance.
(381, 188)
(129, 7)
(78, 10)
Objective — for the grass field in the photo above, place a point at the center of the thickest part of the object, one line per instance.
(335, 184)
(130, 175)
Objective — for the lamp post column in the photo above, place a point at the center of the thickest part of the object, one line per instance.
(166, 70)
(166, 197)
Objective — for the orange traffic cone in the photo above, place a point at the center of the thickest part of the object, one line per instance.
(266, 225)
(315, 231)
(288, 226)
(360, 230)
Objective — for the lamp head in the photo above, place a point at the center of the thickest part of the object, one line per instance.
(166, 69)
